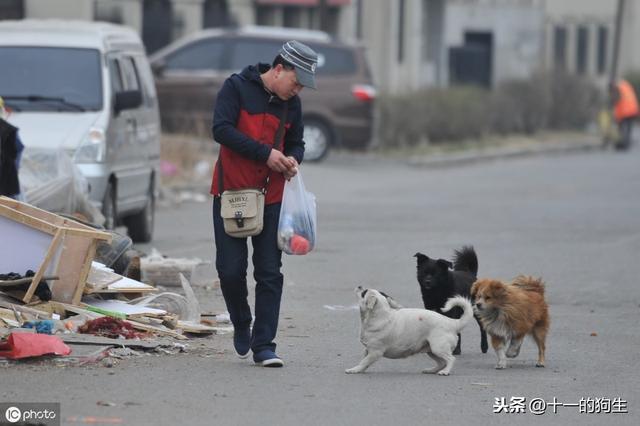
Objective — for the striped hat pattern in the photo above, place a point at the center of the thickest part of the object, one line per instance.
(304, 59)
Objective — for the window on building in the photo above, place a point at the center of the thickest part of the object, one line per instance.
(401, 9)
(560, 47)
(11, 9)
(291, 17)
(602, 49)
(265, 15)
(215, 13)
(582, 49)
(108, 12)
(359, 19)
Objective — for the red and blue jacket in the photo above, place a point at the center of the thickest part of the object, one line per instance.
(245, 121)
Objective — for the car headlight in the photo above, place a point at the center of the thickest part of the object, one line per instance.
(92, 149)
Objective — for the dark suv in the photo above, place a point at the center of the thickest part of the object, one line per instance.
(190, 71)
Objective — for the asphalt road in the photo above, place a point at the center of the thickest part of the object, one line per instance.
(573, 219)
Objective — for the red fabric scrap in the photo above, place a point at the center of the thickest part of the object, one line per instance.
(26, 345)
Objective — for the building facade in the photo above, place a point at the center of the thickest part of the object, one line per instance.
(411, 43)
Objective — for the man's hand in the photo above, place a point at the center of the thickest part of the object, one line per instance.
(279, 163)
(288, 174)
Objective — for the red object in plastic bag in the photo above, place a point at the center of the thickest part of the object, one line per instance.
(26, 345)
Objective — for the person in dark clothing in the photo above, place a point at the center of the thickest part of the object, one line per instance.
(248, 112)
(10, 152)
(10, 149)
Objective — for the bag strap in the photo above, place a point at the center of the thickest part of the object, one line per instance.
(276, 142)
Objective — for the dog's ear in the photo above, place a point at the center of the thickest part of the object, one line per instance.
(444, 264)
(474, 290)
(371, 302)
(498, 289)
(392, 303)
(421, 257)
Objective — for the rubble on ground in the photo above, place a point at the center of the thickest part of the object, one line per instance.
(104, 301)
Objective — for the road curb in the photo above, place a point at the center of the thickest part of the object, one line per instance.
(475, 156)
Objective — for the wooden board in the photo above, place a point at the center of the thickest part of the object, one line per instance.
(123, 307)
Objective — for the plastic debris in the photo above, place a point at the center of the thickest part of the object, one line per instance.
(27, 345)
(42, 326)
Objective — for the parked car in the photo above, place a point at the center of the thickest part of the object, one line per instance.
(190, 71)
(87, 88)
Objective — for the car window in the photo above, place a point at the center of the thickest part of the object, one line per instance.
(199, 55)
(47, 78)
(334, 60)
(146, 80)
(129, 74)
(250, 52)
(115, 75)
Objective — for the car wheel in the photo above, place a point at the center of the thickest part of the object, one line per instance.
(140, 225)
(317, 140)
(110, 207)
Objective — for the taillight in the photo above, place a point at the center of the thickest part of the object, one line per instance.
(363, 92)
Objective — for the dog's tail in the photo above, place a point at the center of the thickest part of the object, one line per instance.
(467, 310)
(466, 260)
(529, 283)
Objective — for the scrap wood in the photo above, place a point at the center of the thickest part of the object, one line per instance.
(123, 308)
(88, 339)
(24, 309)
(8, 320)
(83, 354)
(27, 280)
(100, 277)
(47, 308)
(139, 326)
(195, 328)
(122, 286)
(153, 329)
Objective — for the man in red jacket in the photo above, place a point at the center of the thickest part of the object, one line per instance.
(248, 112)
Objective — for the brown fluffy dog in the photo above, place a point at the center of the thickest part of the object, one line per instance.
(510, 311)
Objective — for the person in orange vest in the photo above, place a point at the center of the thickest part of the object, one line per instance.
(625, 109)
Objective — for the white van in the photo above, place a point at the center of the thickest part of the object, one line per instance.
(86, 88)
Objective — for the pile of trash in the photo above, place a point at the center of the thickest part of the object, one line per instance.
(87, 294)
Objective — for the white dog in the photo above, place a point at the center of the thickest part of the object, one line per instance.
(390, 331)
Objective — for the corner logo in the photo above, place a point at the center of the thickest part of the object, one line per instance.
(13, 414)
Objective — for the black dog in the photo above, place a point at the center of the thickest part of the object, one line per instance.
(438, 283)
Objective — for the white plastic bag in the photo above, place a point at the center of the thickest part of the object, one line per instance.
(297, 226)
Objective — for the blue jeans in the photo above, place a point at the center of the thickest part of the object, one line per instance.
(231, 264)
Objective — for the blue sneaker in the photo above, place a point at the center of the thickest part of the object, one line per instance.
(242, 342)
(267, 358)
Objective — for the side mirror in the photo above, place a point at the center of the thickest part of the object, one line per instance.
(127, 99)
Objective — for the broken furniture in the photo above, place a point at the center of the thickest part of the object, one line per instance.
(48, 244)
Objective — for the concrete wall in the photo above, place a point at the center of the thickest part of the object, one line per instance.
(572, 14)
(522, 31)
(62, 9)
(630, 49)
(517, 29)
(187, 17)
